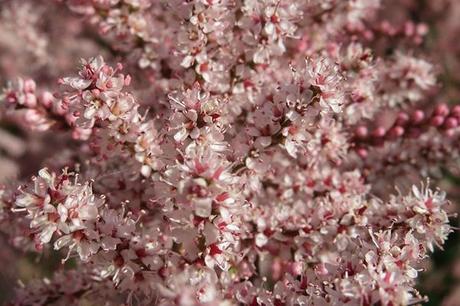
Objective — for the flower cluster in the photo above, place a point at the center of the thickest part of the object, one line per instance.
(245, 152)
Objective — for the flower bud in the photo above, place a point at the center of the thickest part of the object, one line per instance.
(441, 110)
(361, 132)
(29, 86)
(437, 120)
(449, 132)
(46, 99)
(417, 116)
(402, 119)
(456, 111)
(451, 123)
(362, 153)
(379, 132)
(396, 131)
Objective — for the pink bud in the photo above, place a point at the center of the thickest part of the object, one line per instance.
(29, 86)
(396, 131)
(417, 116)
(451, 123)
(361, 131)
(441, 110)
(402, 119)
(422, 29)
(387, 28)
(409, 28)
(437, 120)
(379, 132)
(362, 153)
(46, 99)
(368, 35)
(456, 111)
(449, 132)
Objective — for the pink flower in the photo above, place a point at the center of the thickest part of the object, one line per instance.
(260, 152)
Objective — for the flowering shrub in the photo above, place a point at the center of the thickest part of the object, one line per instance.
(260, 152)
